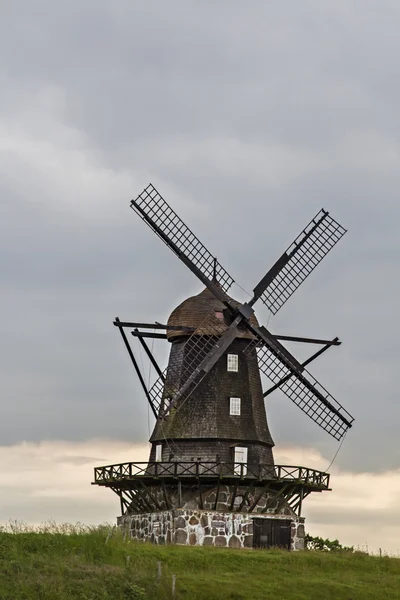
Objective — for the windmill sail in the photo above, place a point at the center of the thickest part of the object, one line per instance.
(304, 390)
(299, 260)
(164, 221)
(189, 367)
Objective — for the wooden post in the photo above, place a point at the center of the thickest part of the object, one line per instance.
(217, 494)
(200, 494)
(301, 501)
(165, 495)
(179, 493)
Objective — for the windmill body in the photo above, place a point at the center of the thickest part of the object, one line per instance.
(226, 411)
(211, 478)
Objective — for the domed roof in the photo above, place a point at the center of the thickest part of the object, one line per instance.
(206, 310)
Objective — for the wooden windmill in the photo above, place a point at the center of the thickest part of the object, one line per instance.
(211, 477)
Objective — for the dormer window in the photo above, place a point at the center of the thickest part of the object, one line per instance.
(233, 363)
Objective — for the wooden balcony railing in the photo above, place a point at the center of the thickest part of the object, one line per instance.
(181, 470)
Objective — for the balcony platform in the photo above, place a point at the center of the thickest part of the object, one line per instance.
(154, 486)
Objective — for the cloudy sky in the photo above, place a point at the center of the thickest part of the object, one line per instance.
(248, 117)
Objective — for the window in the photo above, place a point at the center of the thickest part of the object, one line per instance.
(159, 452)
(233, 362)
(240, 460)
(234, 408)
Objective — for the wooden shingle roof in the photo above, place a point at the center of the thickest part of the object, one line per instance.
(203, 310)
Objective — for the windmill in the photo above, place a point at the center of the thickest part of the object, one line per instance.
(211, 477)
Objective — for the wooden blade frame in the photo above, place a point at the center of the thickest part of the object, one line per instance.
(304, 390)
(202, 350)
(164, 221)
(299, 260)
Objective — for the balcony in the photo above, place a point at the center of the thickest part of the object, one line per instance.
(167, 472)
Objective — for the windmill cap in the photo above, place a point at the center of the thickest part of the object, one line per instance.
(203, 310)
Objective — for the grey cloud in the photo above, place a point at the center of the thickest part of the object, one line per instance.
(355, 516)
(248, 120)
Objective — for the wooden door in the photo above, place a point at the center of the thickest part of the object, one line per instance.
(269, 533)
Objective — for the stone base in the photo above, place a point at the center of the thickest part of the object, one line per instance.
(203, 528)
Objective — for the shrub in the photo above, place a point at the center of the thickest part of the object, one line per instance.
(318, 543)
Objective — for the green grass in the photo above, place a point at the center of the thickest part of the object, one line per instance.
(65, 563)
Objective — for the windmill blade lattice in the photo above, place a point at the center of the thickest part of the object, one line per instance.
(184, 362)
(300, 259)
(305, 391)
(164, 221)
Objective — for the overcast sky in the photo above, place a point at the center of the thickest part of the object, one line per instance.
(248, 118)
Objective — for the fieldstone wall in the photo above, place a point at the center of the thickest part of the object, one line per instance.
(298, 534)
(202, 528)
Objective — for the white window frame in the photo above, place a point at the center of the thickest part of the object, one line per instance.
(234, 406)
(158, 452)
(240, 460)
(232, 363)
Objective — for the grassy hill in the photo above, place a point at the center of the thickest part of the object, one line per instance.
(69, 563)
